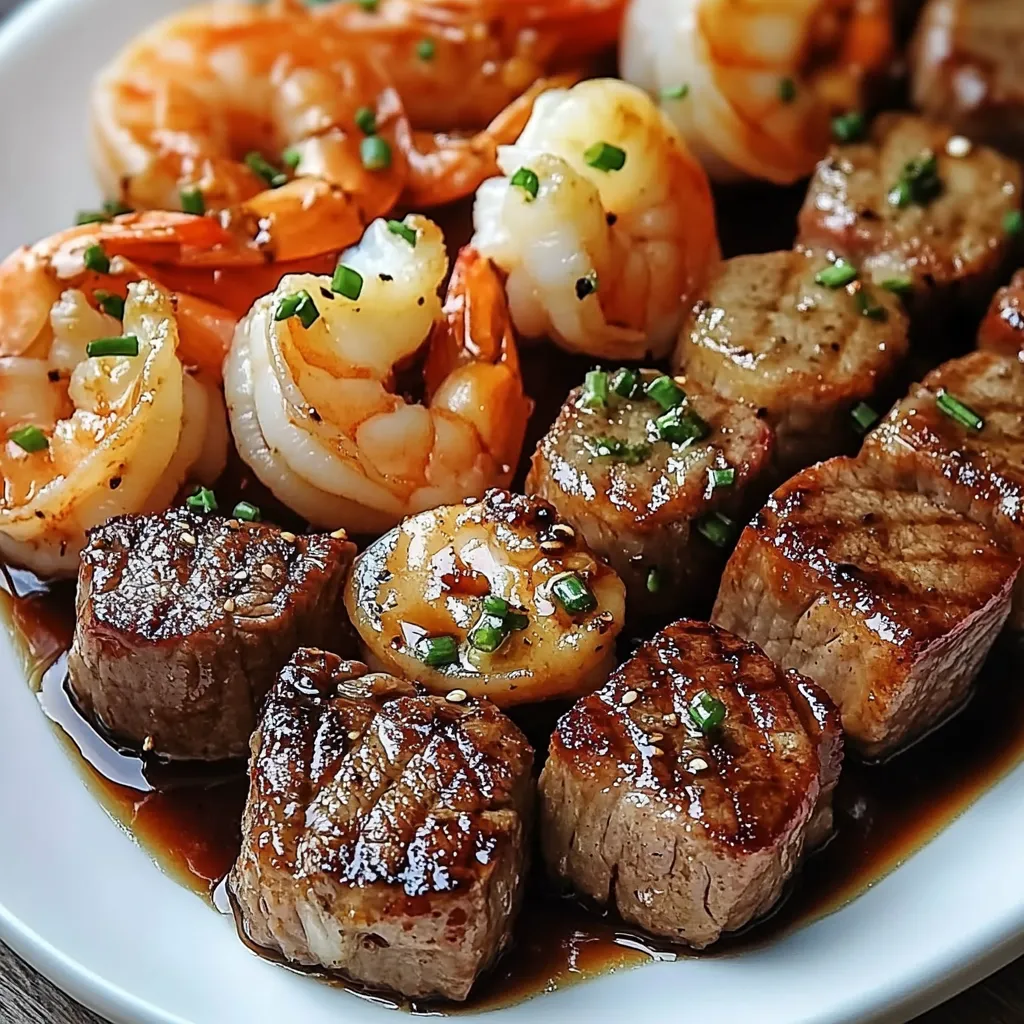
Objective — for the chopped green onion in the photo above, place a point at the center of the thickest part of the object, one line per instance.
(864, 417)
(426, 49)
(586, 285)
(30, 439)
(299, 304)
(620, 451)
(192, 201)
(666, 392)
(366, 120)
(112, 305)
(488, 634)
(680, 425)
(396, 227)
(125, 345)
(370, 6)
(96, 259)
(605, 157)
(264, 169)
(902, 286)
(291, 158)
(375, 153)
(625, 383)
(437, 651)
(527, 180)
(787, 90)
(919, 182)
(837, 275)
(573, 594)
(517, 620)
(848, 127)
(717, 528)
(496, 606)
(675, 92)
(654, 581)
(707, 712)
(957, 410)
(202, 500)
(595, 389)
(347, 282)
(721, 477)
(244, 510)
(91, 217)
(867, 306)
(1013, 223)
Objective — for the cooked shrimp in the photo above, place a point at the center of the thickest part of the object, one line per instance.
(495, 597)
(603, 222)
(313, 400)
(458, 63)
(753, 84)
(89, 437)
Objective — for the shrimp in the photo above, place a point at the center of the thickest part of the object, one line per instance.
(93, 436)
(753, 84)
(314, 403)
(603, 222)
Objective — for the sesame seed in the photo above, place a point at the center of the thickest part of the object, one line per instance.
(287, 536)
(229, 604)
(629, 696)
(187, 538)
(564, 530)
(268, 570)
(671, 719)
(457, 696)
(233, 524)
(354, 734)
(242, 574)
(606, 616)
(147, 744)
(552, 546)
(340, 535)
(657, 752)
(697, 764)
(959, 146)
(655, 736)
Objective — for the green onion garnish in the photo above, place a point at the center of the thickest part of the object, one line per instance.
(595, 389)
(864, 417)
(654, 581)
(957, 410)
(674, 92)
(605, 157)
(496, 606)
(573, 594)
(902, 286)
(396, 227)
(375, 153)
(366, 120)
(1013, 223)
(244, 510)
(848, 127)
(837, 275)
(264, 169)
(291, 158)
(96, 259)
(517, 620)
(721, 477)
(707, 712)
(666, 392)
(347, 282)
(370, 6)
(112, 305)
(125, 345)
(30, 439)
(91, 217)
(867, 306)
(625, 383)
(680, 425)
(787, 90)
(192, 201)
(919, 182)
(717, 528)
(488, 634)
(437, 651)
(586, 285)
(620, 451)
(298, 304)
(425, 49)
(202, 499)
(527, 180)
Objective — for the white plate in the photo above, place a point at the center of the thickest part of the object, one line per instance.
(89, 909)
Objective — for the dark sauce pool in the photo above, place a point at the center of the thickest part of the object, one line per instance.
(188, 818)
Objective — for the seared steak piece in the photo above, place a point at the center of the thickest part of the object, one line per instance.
(641, 501)
(967, 69)
(690, 832)
(888, 600)
(916, 209)
(1002, 330)
(975, 467)
(805, 353)
(385, 833)
(184, 621)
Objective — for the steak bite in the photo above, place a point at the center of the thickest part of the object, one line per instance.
(888, 600)
(640, 501)
(1002, 330)
(800, 337)
(385, 832)
(684, 792)
(183, 621)
(958, 437)
(918, 210)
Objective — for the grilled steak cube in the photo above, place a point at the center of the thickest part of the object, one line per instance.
(804, 352)
(690, 831)
(639, 500)
(385, 832)
(1002, 330)
(967, 69)
(916, 210)
(977, 472)
(184, 621)
(885, 598)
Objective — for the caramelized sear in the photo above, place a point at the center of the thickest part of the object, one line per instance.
(1002, 330)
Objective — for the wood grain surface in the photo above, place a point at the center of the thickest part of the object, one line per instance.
(28, 998)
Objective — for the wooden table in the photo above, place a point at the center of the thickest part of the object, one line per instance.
(28, 998)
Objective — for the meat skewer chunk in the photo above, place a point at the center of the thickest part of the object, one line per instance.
(959, 437)
(385, 832)
(801, 337)
(183, 621)
(920, 210)
(660, 512)
(684, 793)
(1002, 330)
(885, 598)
